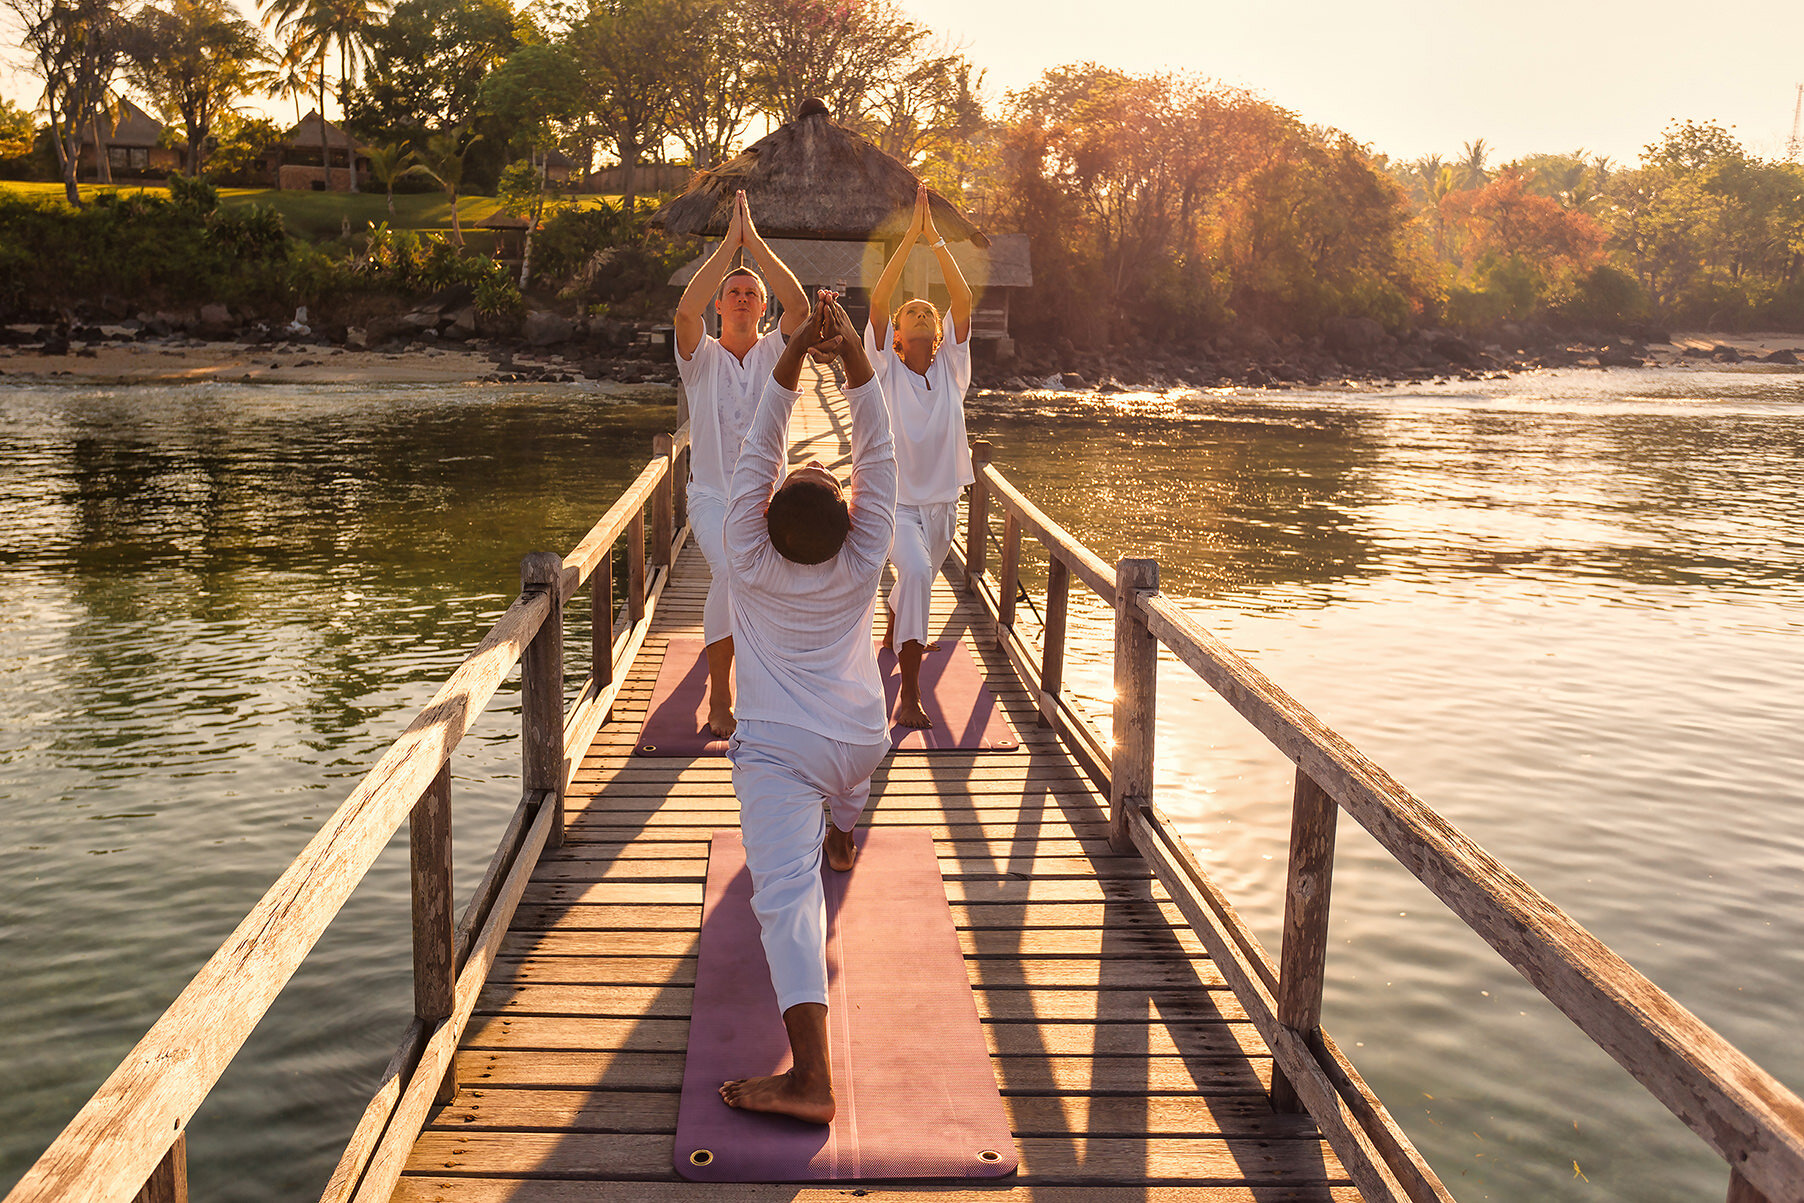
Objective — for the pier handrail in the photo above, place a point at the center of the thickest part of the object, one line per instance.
(1751, 1119)
(128, 1142)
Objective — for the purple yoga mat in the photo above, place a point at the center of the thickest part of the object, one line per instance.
(911, 1072)
(964, 711)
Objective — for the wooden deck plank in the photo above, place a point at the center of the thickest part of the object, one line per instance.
(1128, 1069)
(552, 1190)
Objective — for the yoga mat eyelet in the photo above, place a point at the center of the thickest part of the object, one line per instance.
(989, 1155)
(704, 1157)
(649, 747)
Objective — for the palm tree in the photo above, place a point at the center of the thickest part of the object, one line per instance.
(292, 74)
(316, 25)
(443, 160)
(390, 163)
(1472, 172)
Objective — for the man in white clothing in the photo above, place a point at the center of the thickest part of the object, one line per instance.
(723, 378)
(804, 566)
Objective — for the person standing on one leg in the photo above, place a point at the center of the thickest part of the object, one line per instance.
(804, 566)
(723, 378)
(924, 374)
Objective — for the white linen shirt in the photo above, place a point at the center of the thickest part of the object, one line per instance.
(802, 647)
(933, 453)
(723, 393)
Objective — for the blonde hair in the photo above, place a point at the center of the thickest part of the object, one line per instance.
(895, 325)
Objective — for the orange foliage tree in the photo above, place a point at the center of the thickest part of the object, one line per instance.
(1509, 248)
(1164, 206)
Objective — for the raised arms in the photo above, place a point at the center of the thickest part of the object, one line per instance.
(783, 283)
(706, 282)
(958, 306)
(883, 292)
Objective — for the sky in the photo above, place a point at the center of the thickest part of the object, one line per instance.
(1414, 77)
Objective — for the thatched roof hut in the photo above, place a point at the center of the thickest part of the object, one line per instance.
(305, 136)
(812, 178)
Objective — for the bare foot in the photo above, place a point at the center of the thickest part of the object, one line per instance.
(910, 714)
(840, 849)
(720, 719)
(782, 1094)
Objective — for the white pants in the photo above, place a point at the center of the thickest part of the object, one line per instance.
(707, 515)
(783, 775)
(923, 537)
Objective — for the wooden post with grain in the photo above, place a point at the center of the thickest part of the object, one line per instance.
(663, 512)
(1303, 957)
(1052, 638)
(542, 688)
(168, 1183)
(1136, 693)
(635, 567)
(977, 518)
(1010, 585)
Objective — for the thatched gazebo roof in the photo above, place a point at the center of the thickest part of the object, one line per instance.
(812, 178)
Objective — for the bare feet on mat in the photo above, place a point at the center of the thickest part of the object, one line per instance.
(840, 849)
(783, 1094)
(909, 712)
(720, 688)
(720, 719)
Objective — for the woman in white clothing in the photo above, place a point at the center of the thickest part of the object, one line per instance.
(924, 364)
(724, 378)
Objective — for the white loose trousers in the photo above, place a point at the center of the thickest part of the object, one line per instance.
(707, 515)
(923, 536)
(783, 776)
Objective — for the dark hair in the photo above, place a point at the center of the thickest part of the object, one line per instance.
(808, 522)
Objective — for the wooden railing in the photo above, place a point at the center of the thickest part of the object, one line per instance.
(129, 1141)
(1746, 1115)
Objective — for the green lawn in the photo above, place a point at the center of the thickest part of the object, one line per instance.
(323, 215)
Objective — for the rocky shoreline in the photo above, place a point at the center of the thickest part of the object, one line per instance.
(1353, 352)
(443, 341)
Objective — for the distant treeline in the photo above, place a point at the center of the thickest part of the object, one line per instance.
(1161, 206)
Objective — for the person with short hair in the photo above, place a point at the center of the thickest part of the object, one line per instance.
(723, 378)
(924, 364)
(804, 559)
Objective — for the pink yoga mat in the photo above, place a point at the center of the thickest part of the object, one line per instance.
(911, 1073)
(964, 711)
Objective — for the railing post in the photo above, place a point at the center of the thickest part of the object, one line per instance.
(1052, 638)
(1303, 959)
(1743, 1191)
(679, 487)
(1136, 694)
(663, 511)
(977, 515)
(542, 686)
(1011, 574)
(601, 620)
(434, 962)
(635, 567)
(168, 1183)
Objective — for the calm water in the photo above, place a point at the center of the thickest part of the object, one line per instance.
(1565, 610)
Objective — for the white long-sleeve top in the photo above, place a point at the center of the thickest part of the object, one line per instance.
(802, 647)
(723, 392)
(933, 453)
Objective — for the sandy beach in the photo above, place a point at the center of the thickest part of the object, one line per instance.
(193, 361)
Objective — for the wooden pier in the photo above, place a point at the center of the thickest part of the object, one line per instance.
(1146, 1045)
